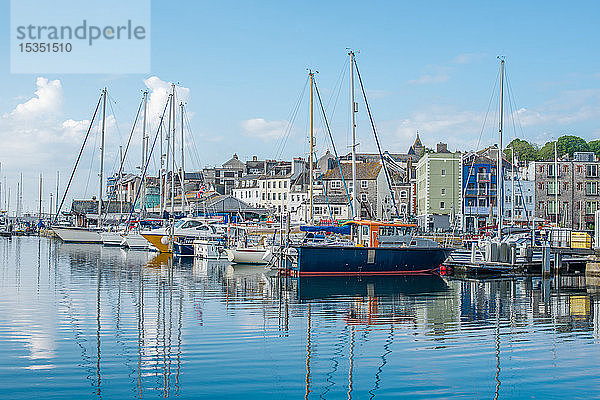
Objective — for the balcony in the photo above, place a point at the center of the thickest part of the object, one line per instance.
(479, 210)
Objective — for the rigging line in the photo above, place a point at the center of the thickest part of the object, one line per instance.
(292, 118)
(338, 85)
(514, 100)
(87, 183)
(387, 175)
(194, 145)
(77, 160)
(112, 100)
(137, 194)
(122, 161)
(464, 190)
(337, 158)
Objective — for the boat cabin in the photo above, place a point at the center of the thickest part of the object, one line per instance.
(378, 234)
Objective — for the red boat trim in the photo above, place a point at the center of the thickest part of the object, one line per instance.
(364, 273)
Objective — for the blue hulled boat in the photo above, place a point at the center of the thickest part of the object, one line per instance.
(376, 248)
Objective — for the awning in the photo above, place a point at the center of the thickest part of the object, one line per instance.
(344, 230)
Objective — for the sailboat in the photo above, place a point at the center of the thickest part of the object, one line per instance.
(83, 234)
(376, 248)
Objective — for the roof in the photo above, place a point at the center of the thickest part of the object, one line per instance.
(335, 199)
(230, 204)
(364, 171)
(91, 207)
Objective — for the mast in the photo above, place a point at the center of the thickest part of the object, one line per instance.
(556, 182)
(40, 209)
(173, 153)
(57, 180)
(119, 178)
(512, 212)
(499, 175)
(353, 110)
(102, 159)
(311, 147)
(144, 151)
(182, 175)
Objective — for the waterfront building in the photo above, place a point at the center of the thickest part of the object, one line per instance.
(439, 197)
(569, 195)
(223, 178)
(523, 198)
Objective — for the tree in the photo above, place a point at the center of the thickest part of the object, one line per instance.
(569, 144)
(594, 146)
(524, 150)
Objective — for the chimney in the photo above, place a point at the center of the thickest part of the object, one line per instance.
(442, 148)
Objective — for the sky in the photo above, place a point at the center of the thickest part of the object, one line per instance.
(241, 68)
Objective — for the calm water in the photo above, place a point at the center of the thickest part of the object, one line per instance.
(82, 321)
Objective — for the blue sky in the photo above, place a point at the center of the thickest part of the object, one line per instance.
(429, 66)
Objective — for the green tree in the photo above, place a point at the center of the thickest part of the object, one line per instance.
(594, 146)
(524, 150)
(569, 144)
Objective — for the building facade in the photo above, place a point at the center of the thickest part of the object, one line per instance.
(567, 195)
(439, 199)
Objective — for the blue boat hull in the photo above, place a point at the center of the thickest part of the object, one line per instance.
(330, 260)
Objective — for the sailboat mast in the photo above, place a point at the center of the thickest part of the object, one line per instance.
(102, 159)
(556, 183)
(173, 153)
(311, 148)
(144, 151)
(353, 110)
(499, 175)
(182, 175)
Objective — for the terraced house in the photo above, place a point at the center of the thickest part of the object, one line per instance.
(569, 194)
(439, 200)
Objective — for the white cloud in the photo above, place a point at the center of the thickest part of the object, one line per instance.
(466, 58)
(159, 91)
(428, 79)
(48, 99)
(265, 130)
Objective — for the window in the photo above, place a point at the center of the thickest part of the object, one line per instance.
(269, 185)
(565, 168)
(269, 196)
(541, 169)
(364, 184)
(285, 196)
(336, 184)
(591, 188)
(263, 196)
(363, 197)
(443, 191)
(551, 189)
(565, 186)
(579, 169)
(279, 184)
(591, 207)
(442, 205)
(279, 197)
(285, 184)
(591, 170)
(403, 194)
(443, 172)
(551, 207)
(541, 186)
(579, 186)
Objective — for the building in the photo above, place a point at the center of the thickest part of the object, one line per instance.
(568, 196)
(519, 207)
(223, 178)
(439, 199)
(247, 189)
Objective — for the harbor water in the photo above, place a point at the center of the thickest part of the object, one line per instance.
(85, 321)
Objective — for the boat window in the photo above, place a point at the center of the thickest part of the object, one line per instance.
(203, 228)
(365, 230)
(179, 223)
(193, 224)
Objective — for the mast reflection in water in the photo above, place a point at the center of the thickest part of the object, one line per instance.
(83, 321)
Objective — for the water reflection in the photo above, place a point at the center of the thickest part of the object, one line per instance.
(105, 322)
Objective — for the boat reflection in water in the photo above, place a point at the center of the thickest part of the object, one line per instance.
(310, 288)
